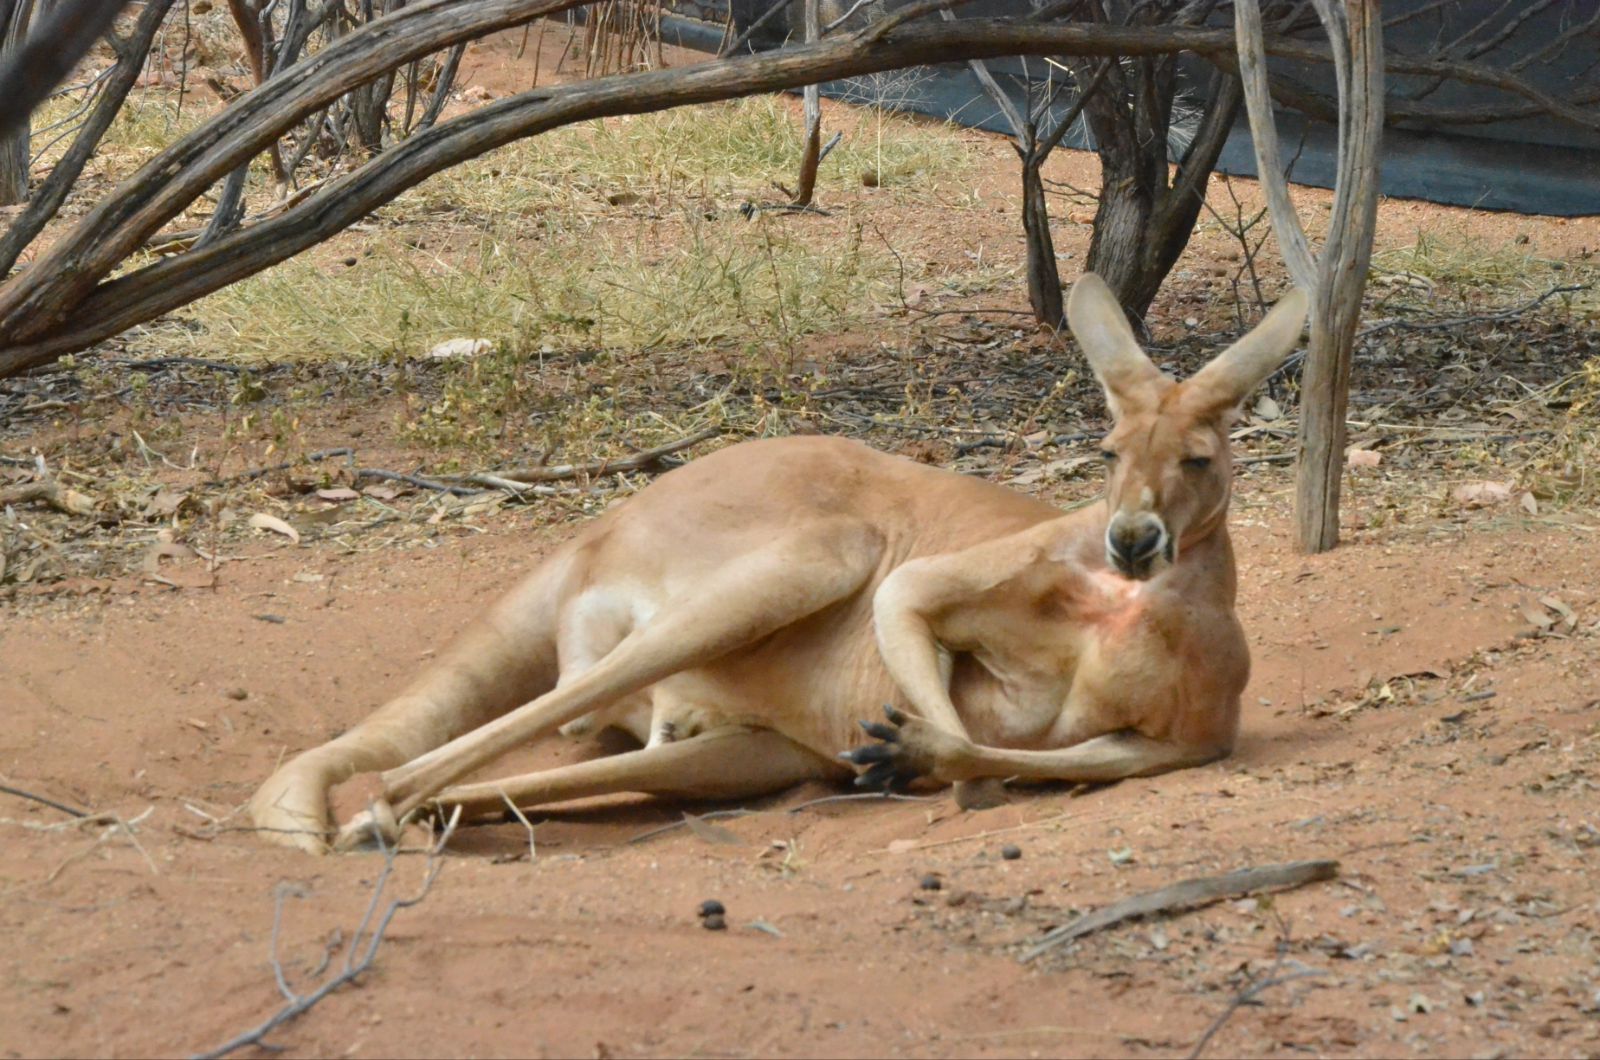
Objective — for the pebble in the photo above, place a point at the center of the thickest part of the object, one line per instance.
(1011, 852)
(930, 882)
(714, 922)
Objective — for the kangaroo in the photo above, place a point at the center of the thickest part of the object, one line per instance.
(746, 614)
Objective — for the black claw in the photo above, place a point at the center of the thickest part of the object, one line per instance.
(872, 754)
(879, 731)
(879, 776)
(895, 717)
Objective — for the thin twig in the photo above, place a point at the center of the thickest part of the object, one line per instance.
(54, 805)
(1245, 997)
(637, 462)
(418, 481)
(357, 960)
(309, 458)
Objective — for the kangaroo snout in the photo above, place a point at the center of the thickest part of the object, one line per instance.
(1135, 542)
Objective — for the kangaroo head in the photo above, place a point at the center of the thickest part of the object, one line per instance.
(1170, 466)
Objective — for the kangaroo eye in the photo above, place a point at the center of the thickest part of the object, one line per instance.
(1197, 463)
(1108, 456)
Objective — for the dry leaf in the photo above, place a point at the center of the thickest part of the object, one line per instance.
(902, 846)
(1481, 494)
(168, 549)
(1363, 458)
(711, 833)
(339, 493)
(165, 502)
(263, 521)
(1556, 604)
(1537, 615)
(1530, 505)
(1267, 409)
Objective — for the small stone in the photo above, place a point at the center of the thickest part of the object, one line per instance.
(930, 882)
(714, 922)
(711, 907)
(237, 693)
(1011, 852)
(1461, 948)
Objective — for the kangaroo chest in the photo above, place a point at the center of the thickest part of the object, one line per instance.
(1107, 663)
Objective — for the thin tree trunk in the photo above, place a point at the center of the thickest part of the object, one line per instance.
(1044, 276)
(1338, 277)
(15, 148)
(1336, 308)
(811, 154)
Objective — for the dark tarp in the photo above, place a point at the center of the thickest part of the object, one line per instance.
(1535, 165)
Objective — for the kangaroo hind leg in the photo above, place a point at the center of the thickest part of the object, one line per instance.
(502, 660)
(727, 763)
(793, 575)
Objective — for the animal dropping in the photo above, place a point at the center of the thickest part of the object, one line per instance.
(744, 616)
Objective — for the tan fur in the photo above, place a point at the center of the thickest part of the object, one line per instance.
(748, 609)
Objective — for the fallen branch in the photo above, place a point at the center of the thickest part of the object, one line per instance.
(299, 1004)
(637, 462)
(52, 493)
(1204, 890)
(255, 473)
(418, 481)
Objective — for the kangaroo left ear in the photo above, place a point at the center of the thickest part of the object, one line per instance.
(1239, 369)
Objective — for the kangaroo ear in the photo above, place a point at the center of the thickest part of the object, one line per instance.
(1107, 341)
(1239, 369)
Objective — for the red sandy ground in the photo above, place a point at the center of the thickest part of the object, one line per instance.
(1455, 819)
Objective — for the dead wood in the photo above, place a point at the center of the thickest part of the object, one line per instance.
(1204, 890)
(57, 496)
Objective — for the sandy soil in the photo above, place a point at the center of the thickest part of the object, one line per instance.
(1461, 810)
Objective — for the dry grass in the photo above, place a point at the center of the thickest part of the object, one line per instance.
(1507, 270)
(625, 234)
(758, 285)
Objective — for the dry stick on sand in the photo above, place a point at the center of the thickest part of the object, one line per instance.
(354, 965)
(1201, 891)
(637, 462)
(1246, 997)
(53, 804)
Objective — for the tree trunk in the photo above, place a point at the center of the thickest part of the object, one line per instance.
(17, 147)
(1044, 277)
(1121, 226)
(1336, 306)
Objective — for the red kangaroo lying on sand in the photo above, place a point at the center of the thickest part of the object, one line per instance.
(742, 614)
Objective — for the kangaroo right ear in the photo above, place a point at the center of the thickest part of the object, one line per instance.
(1102, 331)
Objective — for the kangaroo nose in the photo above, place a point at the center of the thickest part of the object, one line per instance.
(1132, 545)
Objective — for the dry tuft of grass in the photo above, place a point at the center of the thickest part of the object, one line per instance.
(1507, 269)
